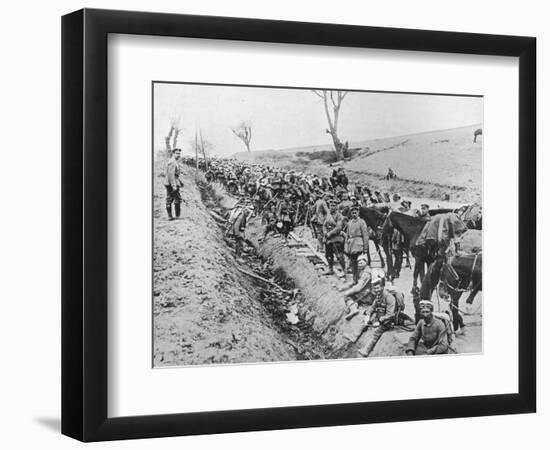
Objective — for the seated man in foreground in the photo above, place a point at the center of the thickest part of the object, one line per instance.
(430, 335)
(382, 314)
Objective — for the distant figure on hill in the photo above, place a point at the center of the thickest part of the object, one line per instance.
(391, 174)
(477, 133)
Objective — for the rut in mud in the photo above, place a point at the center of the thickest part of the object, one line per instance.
(205, 309)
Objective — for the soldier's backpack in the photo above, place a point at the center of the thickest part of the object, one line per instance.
(399, 300)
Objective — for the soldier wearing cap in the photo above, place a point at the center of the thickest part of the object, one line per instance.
(172, 183)
(424, 210)
(357, 241)
(334, 239)
(360, 292)
(320, 212)
(382, 313)
(430, 336)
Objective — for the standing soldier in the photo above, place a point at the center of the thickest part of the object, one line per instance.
(334, 239)
(357, 240)
(397, 248)
(238, 229)
(172, 183)
(320, 212)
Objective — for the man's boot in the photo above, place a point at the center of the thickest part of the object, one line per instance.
(169, 211)
(353, 311)
(178, 209)
(330, 270)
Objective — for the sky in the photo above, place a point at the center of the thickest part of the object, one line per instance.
(286, 118)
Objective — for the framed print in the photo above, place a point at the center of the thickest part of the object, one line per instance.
(273, 224)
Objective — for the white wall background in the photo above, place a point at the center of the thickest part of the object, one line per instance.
(30, 226)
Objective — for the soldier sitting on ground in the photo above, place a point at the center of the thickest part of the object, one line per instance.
(361, 292)
(430, 336)
(382, 314)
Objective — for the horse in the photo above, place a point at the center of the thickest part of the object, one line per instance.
(458, 274)
(410, 227)
(374, 218)
(477, 133)
(471, 215)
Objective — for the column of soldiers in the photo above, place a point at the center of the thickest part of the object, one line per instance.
(285, 198)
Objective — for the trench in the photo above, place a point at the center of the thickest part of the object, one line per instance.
(306, 342)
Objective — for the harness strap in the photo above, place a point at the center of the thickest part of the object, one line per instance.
(473, 267)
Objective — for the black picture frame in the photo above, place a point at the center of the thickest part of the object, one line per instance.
(84, 224)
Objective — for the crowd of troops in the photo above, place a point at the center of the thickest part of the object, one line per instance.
(285, 199)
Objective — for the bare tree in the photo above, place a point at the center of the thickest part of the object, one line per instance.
(171, 139)
(244, 132)
(332, 101)
(201, 146)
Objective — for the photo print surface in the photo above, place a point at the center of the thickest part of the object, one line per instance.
(294, 224)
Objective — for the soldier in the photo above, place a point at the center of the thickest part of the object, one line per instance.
(345, 204)
(361, 292)
(341, 178)
(397, 248)
(238, 229)
(357, 240)
(431, 334)
(382, 313)
(172, 183)
(320, 212)
(424, 210)
(269, 219)
(334, 240)
(285, 215)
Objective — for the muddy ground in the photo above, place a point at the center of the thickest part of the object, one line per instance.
(207, 310)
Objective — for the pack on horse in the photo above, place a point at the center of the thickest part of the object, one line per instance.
(374, 218)
(426, 239)
(458, 274)
(471, 215)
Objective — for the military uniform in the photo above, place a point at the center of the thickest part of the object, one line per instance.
(320, 211)
(383, 310)
(357, 243)
(429, 338)
(334, 246)
(172, 183)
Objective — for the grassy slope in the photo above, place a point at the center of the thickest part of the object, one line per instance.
(429, 164)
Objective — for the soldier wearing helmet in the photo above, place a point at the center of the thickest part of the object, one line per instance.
(430, 336)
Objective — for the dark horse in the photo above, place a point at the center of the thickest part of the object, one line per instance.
(410, 227)
(457, 274)
(374, 217)
(477, 133)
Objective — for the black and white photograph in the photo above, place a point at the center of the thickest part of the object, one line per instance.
(294, 224)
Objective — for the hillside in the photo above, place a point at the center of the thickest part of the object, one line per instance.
(432, 164)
